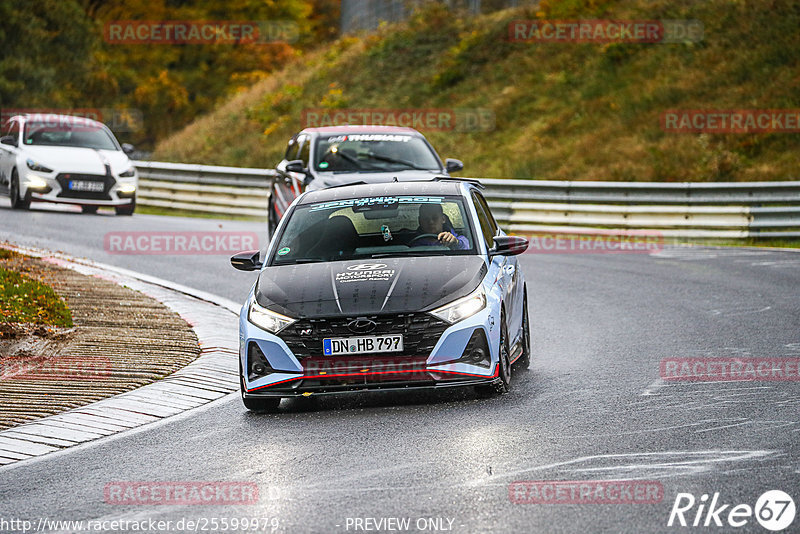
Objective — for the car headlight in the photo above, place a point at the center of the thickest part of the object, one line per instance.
(130, 173)
(268, 319)
(127, 188)
(36, 182)
(32, 165)
(460, 309)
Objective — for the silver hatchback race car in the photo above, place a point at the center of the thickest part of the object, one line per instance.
(396, 285)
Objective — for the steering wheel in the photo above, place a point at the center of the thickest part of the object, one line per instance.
(420, 236)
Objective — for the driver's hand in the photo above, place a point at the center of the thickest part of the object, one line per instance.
(446, 238)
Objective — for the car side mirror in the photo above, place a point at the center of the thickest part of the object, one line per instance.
(8, 140)
(296, 165)
(508, 245)
(128, 148)
(247, 260)
(453, 165)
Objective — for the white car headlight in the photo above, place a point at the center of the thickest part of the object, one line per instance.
(268, 319)
(35, 182)
(32, 165)
(460, 309)
(127, 188)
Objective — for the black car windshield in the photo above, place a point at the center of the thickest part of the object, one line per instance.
(69, 133)
(374, 153)
(376, 227)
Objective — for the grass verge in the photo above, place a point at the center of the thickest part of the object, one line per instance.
(23, 300)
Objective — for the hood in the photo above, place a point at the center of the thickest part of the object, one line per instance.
(368, 287)
(78, 160)
(330, 179)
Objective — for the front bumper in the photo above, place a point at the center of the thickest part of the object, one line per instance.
(54, 188)
(39, 197)
(438, 367)
(341, 389)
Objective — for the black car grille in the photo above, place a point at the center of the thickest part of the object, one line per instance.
(420, 332)
(63, 180)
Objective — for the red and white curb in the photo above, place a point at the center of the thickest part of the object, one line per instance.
(214, 374)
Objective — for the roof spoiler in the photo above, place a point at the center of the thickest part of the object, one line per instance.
(473, 181)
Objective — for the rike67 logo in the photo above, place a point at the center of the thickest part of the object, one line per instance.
(774, 510)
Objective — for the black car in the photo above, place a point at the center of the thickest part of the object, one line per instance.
(317, 158)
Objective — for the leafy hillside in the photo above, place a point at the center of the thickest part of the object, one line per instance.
(563, 110)
(58, 55)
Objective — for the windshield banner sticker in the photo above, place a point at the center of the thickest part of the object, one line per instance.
(370, 137)
(372, 201)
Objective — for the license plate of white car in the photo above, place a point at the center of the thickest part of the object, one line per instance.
(362, 345)
(86, 185)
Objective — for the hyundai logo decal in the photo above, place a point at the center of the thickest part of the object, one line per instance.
(362, 326)
(366, 267)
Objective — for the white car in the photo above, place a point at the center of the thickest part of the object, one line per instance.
(68, 160)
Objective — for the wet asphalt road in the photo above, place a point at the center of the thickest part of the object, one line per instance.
(591, 406)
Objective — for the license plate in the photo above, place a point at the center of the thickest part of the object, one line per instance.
(362, 345)
(86, 185)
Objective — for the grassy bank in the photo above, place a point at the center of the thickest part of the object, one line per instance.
(23, 300)
(562, 110)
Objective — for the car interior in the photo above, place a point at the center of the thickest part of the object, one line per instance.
(337, 237)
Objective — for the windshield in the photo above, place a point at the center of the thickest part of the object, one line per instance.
(376, 227)
(374, 153)
(66, 134)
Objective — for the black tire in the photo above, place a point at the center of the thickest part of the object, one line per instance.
(89, 209)
(268, 404)
(17, 202)
(525, 360)
(126, 210)
(502, 385)
(272, 217)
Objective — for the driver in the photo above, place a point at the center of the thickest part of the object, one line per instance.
(434, 222)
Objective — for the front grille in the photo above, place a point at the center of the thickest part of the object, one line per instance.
(63, 180)
(420, 332)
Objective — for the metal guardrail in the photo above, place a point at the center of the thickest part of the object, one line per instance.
(727, 210)
(204, 188)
